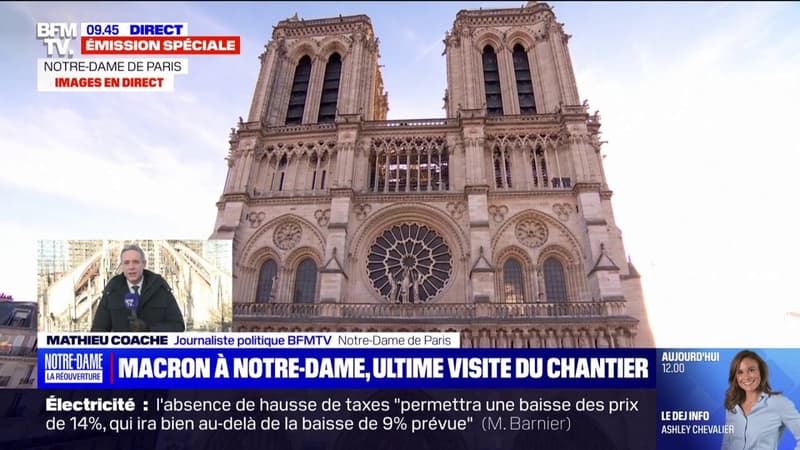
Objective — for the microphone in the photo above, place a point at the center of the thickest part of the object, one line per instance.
(131, 303)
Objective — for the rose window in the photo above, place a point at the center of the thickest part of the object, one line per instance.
(531, 233)
(287, 235)
(409, 263)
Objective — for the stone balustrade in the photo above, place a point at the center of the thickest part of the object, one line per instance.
(438, 311)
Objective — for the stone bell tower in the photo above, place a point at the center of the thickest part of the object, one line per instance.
(494, 221)
(319, 79)
(312, 70)
(511, 82)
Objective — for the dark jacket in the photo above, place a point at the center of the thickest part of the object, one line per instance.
(157, 306)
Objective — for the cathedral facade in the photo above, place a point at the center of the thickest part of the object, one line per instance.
(494, 221)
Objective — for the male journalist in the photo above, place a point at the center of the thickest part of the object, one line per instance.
(137, 299)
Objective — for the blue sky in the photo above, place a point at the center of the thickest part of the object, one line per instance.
(697, 103)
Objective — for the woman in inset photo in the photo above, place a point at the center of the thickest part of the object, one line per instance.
(757, 413)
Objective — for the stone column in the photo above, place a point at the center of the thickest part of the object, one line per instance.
(508, 81)
(604, 281)
(334, 269)
(334, 277)
(264, 85)
(551, 91)
(481, 272)
(558, 44)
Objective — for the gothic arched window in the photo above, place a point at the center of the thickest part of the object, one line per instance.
(539, 167)
(297, 97)
(266, 281)
(282, 169)
(502, 169)
(323, 164)
(491, 83)
(330, 89)
(522, 73)
(513, 285)
(554, 281)
(305, 281)
(313, 162)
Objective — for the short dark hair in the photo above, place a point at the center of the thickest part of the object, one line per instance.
(133, 247)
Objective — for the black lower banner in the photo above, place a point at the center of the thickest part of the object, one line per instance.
(599, 419)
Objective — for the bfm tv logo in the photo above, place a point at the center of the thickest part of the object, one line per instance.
(57, 37)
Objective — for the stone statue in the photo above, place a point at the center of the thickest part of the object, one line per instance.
(602, 339)
(542, 293)
(415, 283)
(392, 289)
(405, 285)
(271, 295)
(551, 339)
(567, 338)
(583, 339)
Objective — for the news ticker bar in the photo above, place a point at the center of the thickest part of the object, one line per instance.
(298, 340)
(313, 361)
(473, 419)
(689, 385)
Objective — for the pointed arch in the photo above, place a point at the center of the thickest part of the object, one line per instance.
(330, 89)
(248, 275)
(555, 280)
(300, 48)
(522, 75)
(305, 281)
(520, 37)
(299, 91)
(569, 245)
(501, 162)
(538, 157)
(491, 81)
(489, 36)
(302, 268)
(267, 277)
(513, 282)
(259, 239)
(334, 44)
(519, 291)
(561, 277)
